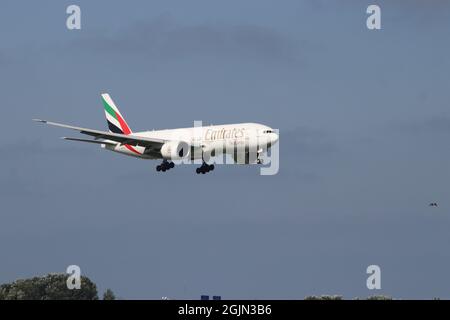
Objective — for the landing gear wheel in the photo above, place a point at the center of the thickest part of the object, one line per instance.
(164, 166)
(204, 168)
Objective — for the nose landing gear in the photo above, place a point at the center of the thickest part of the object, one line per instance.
(204, 168)
(164, 166)
(258, 157)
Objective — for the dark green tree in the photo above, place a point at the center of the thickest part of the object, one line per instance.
(49, 287)
(324, 297)
(109, 295)
(379, 298)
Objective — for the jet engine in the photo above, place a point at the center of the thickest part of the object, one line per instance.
(175, 150)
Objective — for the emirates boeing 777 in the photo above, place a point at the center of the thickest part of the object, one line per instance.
(245, 142)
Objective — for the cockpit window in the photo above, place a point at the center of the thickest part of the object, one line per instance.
(268, 131)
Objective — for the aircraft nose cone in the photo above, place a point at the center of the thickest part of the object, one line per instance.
(273, 138)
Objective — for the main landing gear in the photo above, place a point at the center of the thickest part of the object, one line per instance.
(205, 168)
(165, 165)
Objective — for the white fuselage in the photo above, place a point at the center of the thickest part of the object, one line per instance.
(217, 139)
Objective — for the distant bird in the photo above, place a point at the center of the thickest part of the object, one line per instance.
(433, 204)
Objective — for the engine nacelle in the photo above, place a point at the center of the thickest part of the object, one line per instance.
(175, 150)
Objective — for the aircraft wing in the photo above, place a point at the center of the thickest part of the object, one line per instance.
(131, 140)
(90, 141)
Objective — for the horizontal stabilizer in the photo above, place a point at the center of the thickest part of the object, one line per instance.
(125, 139)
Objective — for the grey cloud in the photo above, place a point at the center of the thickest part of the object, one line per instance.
(6, 60)
(419, 13)
(416, 5)
(163, 38)
(421, 5)
(34, 147)
(301, 151)
(414, 11)
(312, 142)
(27, 164)
(434, 125)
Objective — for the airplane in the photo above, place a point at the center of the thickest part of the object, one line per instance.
(238, 140)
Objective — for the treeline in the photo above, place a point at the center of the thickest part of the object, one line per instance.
(51, 287)
(54, 287)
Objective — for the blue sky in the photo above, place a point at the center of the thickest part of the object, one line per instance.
(364, 130)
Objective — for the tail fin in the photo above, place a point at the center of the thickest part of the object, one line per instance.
(116, 122)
